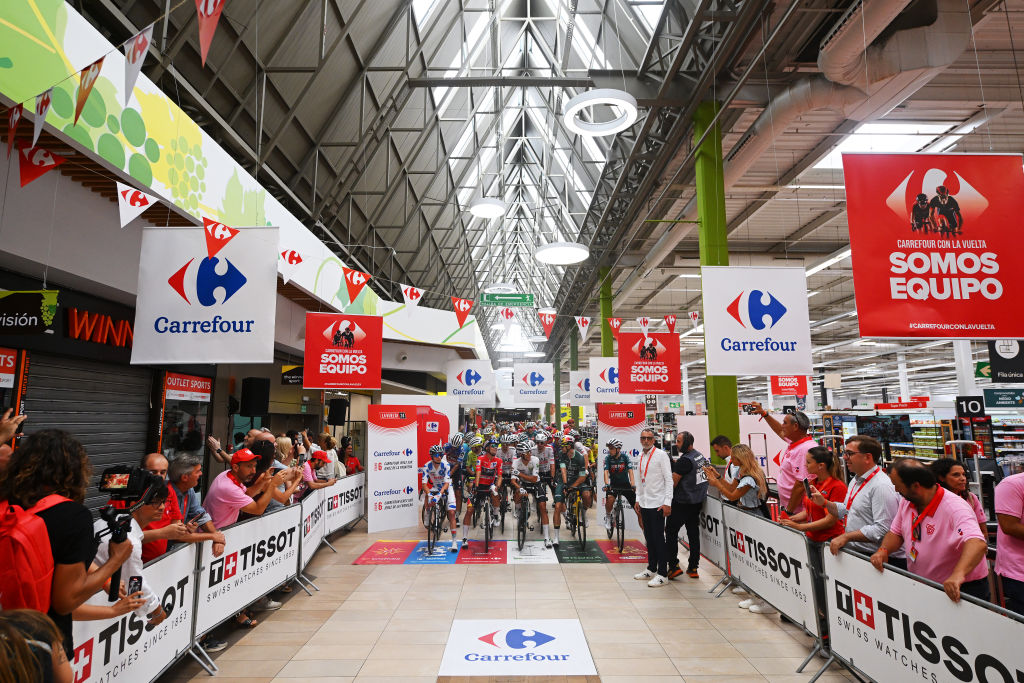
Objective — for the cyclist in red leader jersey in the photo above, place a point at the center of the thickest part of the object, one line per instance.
(486, 479)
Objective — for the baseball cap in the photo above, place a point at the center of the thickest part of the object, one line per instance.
(243, 455)
(321, 455)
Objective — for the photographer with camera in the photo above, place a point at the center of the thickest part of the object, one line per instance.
(47, 476)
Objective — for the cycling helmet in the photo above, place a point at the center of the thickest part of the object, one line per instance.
(573, 433)
(531, 445)
(540, 438)
(491, 443)
(508, 439)
(522, 447)
(455, 440)
(476, 442)
(614, 443)
(582, 450)
(523, 436)
(437, 450)
(567, 440)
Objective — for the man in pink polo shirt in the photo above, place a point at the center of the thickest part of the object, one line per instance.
(793, 466)
(1010, 540)
(228, 494)
(939, 532)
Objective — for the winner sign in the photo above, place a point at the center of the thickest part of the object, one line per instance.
(342, 351)
(649, 363)
(934, 244)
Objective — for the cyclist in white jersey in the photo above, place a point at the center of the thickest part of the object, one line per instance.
(545, 456)
(507, 453)
(437, 480)
(526, 480)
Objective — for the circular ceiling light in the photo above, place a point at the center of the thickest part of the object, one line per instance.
(620, 100)
(537, 339)
(487, 207)
(534, 354)
(562, 253)
(500, 288)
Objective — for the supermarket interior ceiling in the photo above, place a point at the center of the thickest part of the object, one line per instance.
(379, 123)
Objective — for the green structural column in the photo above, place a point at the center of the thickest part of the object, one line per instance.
(722, 400)
(557, 360)
(574, 364)
(607, 338)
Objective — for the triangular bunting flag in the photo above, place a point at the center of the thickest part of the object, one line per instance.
(355, 280)
(290, 262)
(583, 323)
(507, 315)
(134, 55)
(461, 308)
(670, 322)
(208, 12)
(694, 317)
(412, 295)
(35, 161)
(547, 321)
(645, 322)
(217, 235)
(13, 119)
(86, 79)
(43, 101)
(131, 203)
(615, 324)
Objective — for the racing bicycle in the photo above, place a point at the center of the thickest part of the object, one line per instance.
(436, 515)
(618, 528)
(526, 491)
(483, 512)
(576, 515)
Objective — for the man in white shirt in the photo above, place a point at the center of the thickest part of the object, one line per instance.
(654, 504)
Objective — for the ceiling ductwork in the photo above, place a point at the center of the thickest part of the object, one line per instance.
(862, 84)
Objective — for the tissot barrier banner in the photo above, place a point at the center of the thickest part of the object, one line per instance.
(471, 382)
(772, 561)
(533, 383)
(206, 295)
(259, 555)
(342, 351)
(125, 648)
(649, 363)
(579, 387)
(894, 628)
(604, 380)
(622, 421)
(935, 244)
(391, 466)
(346, 502)
(755, 321)
(314, 506)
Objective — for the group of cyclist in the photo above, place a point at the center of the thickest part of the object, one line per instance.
(525, 460)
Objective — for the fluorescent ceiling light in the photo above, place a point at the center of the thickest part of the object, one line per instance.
(562, 253)
(814, 293)
(623, 102)
(547, 309)
(487, 207)
(534, 354)
(884, 137)
(537, 339)
(695, 276)
(831, 261)
(500, 288)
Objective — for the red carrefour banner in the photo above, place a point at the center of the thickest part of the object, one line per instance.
(649, 363)
(934, 241)
(789, 385)
(342, 351)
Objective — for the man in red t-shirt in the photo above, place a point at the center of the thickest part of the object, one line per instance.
(171, 526)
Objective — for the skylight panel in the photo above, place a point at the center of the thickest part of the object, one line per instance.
(884, 137)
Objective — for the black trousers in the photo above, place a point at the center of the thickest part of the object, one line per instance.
(654, 537)
(1013, 594)
(688, 515)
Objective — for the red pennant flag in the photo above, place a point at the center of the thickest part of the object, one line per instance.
(462, 308)
(131, 202)
(208, 12)
(43, 101)
(645, 322)
(670, 322)
(86, 79)
(694, 317)
(13, 119)
(290, 262)
(412, 295)
(35, 161)
(355, 280)
(615, 324)
(583, 324)
(547, 321)
(217, 235)
(134, 55)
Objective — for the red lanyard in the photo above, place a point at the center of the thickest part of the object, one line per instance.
(643, 478)
(796, 443)
(849, 501)
(928, 510)
(232, 477)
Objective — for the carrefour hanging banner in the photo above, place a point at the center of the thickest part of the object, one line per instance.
(604, 380)
(342, 351)
(622, 421)
(391, 466)
(579, 387)
(471, 381)
(533, 383)
(206, 295)
(935, 244)
(755, 321)
(649, 363)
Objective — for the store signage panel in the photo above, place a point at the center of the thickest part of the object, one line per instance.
(472, 382)
(29, 312)
(1006, 361)
(789, 385)
(291, 375)
(8, 361)
(1004, 398)
(533, 383)
(755, 321)
(187, 387)
(903, 405)
(343, 351)
(649, 363)
(970, 406)
(944, 266)
(520, 300)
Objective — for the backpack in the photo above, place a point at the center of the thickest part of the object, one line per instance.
(26, 560)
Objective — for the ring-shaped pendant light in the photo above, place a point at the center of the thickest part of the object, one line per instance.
(619, 99)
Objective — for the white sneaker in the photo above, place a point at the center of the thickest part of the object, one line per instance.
(762, 608)
(494, 521)
(739, 591)
(644, 575)
(745, 604)
(555, 542)
(547, 542)
(657, 581)
(607, 522)
(455, 547)
(266, 605)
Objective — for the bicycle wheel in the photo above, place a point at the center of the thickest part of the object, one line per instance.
(503, 506)
(524, 507)
(488, 529)
(611, 529)
(582, 524)
(620, 523)
(431, 530)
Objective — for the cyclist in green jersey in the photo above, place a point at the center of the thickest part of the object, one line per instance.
(618, 478)
(562, 458)
(476, 446)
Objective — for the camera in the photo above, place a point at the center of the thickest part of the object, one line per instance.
(124, 485)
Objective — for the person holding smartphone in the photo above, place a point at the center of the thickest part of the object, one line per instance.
(817, 521)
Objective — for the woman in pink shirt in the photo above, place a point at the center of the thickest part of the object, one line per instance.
(953, 477)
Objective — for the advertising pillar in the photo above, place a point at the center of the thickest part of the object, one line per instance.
(622, 421)
(391, 466)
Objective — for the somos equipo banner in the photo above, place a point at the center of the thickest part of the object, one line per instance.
(934, 244)
(342, 351)
(649, 363)
(391, 465)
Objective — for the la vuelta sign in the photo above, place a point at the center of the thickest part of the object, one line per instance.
(934, 248)
(342, 351)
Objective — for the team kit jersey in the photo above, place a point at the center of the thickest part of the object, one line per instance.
(618, 470)
(437, 477)
(506, 457)
(530, 469)
(575, 467)
(487, 470)
(544, 457)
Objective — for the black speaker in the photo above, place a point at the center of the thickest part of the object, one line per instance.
(336, 414)
(255, 397)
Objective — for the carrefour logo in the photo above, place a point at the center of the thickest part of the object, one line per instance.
(758, 305)
(584, 384)
(207, 276)
(408, 452)
(522, 642)
(610, 375)
(469, 377)
(635, 452)
(533, 379)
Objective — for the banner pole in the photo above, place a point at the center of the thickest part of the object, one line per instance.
(196, 650)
